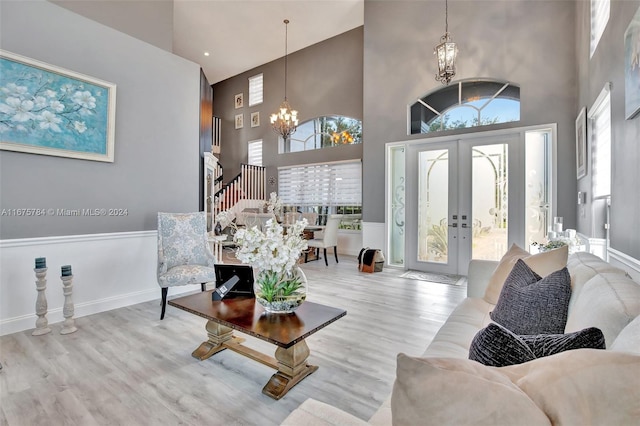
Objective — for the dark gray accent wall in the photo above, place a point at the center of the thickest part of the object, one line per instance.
(530, 43)
(156, 137)
(323, 79)
(607, 65)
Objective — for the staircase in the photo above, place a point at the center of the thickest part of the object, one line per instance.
(249, 184)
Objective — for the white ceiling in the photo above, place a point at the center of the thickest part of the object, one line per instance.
(243, 34)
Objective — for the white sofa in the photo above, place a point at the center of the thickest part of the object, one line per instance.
(602, 296)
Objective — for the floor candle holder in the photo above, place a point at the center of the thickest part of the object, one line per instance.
(69, 325)
(42, 324)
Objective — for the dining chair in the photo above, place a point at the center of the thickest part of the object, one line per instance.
(184, 254)
(329, 238)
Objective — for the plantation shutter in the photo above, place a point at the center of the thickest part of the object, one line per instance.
(255, 90)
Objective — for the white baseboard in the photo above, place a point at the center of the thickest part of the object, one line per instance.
(626, 262)
(110, 271)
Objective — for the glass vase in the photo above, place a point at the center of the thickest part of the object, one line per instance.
(280, 293)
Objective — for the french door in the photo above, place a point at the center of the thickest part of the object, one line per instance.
(470, 198)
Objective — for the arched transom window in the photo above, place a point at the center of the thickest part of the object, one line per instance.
(469, 103)
(323, 132)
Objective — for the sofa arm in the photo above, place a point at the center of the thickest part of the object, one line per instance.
(316, 413)
(480, 272)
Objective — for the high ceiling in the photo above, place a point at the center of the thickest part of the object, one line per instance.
(242, 34)
(238, 34)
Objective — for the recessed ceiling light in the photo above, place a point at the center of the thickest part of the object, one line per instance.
(206, 53)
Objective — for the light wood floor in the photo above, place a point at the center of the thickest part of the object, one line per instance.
(126, 367)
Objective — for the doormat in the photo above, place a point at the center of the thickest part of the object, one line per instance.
(433, 278)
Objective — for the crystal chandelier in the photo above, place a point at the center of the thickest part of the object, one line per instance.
(446, 52)
(284, 121)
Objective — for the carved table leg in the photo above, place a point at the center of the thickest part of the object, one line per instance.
(218, 335)
(292, 368)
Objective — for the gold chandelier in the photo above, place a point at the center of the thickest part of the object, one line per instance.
(446, 52)
(285, 121)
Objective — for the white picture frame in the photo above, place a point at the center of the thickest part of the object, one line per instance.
(239, 120)
(239, 100)
(255, 119)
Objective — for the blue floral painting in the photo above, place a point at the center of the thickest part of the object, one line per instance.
(632, 67)
(47, 110)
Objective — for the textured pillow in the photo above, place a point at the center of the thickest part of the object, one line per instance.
(530, 305)
(451, 391)
(582, 387)
(542, 263)
(551, 344)
(496, 346)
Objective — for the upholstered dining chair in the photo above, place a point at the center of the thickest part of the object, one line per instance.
(329, 238)
(184, 254)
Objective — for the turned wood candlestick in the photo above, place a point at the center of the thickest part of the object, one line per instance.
(42, 324)
(68, 326)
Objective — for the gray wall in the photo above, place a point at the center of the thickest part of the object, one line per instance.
(323, 79)
(607, 65)
(151, 21)
(530, 43)
(156, 138)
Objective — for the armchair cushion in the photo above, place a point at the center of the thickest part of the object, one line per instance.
(182, 240)
(187, 274)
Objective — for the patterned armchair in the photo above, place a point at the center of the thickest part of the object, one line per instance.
(184, 255)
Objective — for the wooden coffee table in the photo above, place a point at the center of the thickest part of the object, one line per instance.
(286, 331)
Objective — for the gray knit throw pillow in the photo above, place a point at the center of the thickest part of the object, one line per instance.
(529, 304)
(496, 346)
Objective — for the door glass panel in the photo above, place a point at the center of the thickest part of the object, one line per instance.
(397, 225)
(537, 185)
(433, 206)
(489, 201)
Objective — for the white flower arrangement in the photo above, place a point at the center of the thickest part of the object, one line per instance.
(271, 250)
(278, 287)
(274, 205)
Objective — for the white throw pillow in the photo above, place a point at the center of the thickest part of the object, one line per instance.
(451, 391)
(541, 263)
(583, 386)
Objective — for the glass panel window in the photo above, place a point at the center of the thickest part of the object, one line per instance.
(465, 104)
(490, 189)
(433, 202)
(538, 185)
(324, 189)
(255, 153)
(600, 134)
(255, 90)
(323, 132)
(599, 18)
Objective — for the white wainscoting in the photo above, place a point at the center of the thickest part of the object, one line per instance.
(373, 236)
(626, 262)
(109, 271)
(349, 242)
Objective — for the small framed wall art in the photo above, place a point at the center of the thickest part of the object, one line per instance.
(239, 121)
(239, 100)
(255, 119)
(581, 143)
(48, 110)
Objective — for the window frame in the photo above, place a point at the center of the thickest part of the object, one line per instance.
(251, 144)
(252, 79)
(602, 104)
